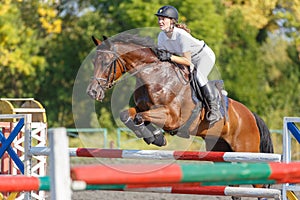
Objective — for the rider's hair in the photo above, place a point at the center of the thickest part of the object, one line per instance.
(181, 25)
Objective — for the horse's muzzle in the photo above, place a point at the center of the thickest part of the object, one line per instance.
(95, 92)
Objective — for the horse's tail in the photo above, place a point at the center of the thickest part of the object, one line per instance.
(266, 144)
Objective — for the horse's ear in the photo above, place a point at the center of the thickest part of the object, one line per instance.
(106, 40)
(96, 41)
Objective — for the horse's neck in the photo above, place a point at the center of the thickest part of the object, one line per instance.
(144, 64)
(165, 76)
(136, 58)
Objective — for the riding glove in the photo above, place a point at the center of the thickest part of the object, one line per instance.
(164, 55)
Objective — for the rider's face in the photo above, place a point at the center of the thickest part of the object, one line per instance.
(164, 23)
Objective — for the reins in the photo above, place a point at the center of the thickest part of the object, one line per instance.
(182, 73)
(110, 82)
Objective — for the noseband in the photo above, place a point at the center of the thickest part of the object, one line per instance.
(108, 83)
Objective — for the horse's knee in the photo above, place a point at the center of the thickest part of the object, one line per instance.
(138, 119)
(149, 133)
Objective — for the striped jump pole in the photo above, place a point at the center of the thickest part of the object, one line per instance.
(165, 155)
(185, 188)
(206, 174)
(212, 190)
(215, 191)
(15, 183)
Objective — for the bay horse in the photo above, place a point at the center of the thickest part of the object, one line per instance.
(164, 99)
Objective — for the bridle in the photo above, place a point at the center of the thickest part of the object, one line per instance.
(110, 82)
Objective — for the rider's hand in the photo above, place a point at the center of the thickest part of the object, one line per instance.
(164, 55)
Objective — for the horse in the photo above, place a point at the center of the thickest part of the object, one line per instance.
(164, 99)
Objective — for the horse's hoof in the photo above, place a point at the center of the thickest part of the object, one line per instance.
(160, 140)
(149, 140)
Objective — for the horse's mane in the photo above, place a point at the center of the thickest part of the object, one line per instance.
(135, 39)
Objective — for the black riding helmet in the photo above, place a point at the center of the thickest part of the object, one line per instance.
(168, 11)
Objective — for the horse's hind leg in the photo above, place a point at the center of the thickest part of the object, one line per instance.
(216, 144)
(148, 132)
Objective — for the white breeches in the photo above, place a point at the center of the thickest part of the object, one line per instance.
(204, 62)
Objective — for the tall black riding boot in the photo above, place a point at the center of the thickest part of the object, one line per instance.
(211, 97)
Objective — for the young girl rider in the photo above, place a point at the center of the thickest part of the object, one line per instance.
(176, 44)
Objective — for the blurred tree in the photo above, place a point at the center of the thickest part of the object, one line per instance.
(65, 54)
(25, 29)
(271, 16)
(244, 74)
(207, 23)
(287, 16)
(257, 13)
(277, 26)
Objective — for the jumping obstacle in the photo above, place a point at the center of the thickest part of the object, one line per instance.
(237, 173)
(9, 183)
(187, 188)
(15, 160)
(162, 174)
(173, 155)
(218, 173)
(15, 183)
(164, 155)
(60, 181)
(214, 190)
(289, 129)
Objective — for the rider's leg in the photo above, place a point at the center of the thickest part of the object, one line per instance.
(204, 66)
(211, 97)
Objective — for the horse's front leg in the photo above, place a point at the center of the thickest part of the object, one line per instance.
(141, 128)
(162, 116)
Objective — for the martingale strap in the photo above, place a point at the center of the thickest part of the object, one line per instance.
(183, 131)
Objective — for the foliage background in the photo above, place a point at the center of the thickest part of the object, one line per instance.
(257, 43)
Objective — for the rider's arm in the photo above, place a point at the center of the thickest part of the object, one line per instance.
(183, 60)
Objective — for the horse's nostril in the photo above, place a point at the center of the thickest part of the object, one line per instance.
(96, 93)
(92, 93)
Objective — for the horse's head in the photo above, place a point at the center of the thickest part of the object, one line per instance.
(108, 67)
(115, 57)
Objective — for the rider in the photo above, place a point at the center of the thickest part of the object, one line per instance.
(176, 44)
